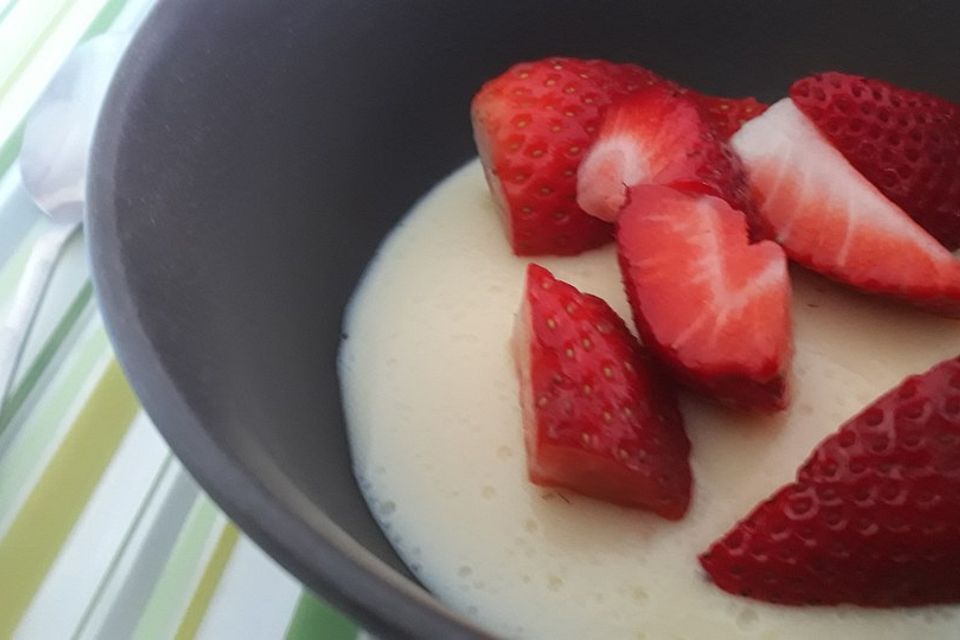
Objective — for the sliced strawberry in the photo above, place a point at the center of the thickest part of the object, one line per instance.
(829, 218)
(905, 142)
(874, 516)
(534, 123)
(596, 419)
(727, 115)
(656, 136)
(713, 307)
(532, 126)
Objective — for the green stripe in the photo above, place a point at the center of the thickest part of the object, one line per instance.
(26, 451)
(10, 149)
(6, 10)
(208, 583)
(315, 619)
(167, 599)
(53, 507)
(105, 18)
(45, 356)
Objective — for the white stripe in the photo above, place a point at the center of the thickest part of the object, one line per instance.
(86, 557)
(21, 29)
(5, 3)
(121, 601)
(70, 276)
(255, 598)
(17, 213)
(47, 59)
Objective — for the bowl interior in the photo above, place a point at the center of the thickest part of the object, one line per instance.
(253, 155)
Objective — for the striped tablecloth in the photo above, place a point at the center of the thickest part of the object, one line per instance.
(102, 532)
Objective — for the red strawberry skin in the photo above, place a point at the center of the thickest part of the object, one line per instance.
(657, 136)
(533, 125)
(596, 418)
(831, 219)
(714, 308)
(905, 142)
(873, 518)
(727, 115)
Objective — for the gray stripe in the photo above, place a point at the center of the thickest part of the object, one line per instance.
(123, 615)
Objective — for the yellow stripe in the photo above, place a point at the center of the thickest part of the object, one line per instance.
(58, 499)
(208, 584)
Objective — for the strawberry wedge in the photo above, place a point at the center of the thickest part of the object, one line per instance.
(714, 308)
(829, 218)
(906, 143)
(533, 125)
(657, 136)
(872, 518)
(597, 420)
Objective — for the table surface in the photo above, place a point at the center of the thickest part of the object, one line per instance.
(103, 534)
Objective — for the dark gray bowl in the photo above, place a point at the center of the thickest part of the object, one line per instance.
(252, 155)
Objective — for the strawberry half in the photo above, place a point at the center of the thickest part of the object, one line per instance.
(713, 307)
(656, 136)
(596, 419)
(873, 518)
(905, 142)
(831, 219)
(532, 126)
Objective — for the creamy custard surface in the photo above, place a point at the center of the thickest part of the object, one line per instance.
(435, 430)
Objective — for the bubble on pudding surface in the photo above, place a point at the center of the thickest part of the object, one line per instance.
(933, 615)
(488, 492)
(363, 483)
(504, 452)
(747, 618)
(555, 583)
(639, 594)
(466, 338)
(387, 508)
(530, 525)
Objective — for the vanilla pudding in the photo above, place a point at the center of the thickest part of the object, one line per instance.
(435, 428)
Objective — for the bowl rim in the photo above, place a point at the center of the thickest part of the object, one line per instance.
(316, 550)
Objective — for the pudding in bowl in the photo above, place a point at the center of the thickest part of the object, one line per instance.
(437, 440)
